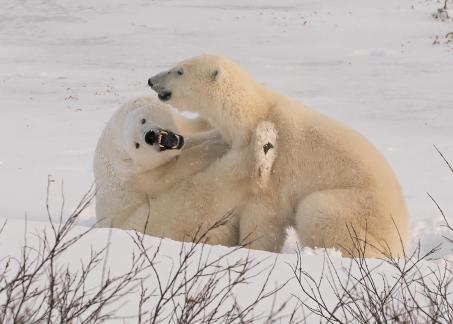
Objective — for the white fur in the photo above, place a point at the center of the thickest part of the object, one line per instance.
(327, 180)
(174, 194)
(126, 175)
(266, 134)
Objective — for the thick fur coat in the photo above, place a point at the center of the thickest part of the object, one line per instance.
(327, 180)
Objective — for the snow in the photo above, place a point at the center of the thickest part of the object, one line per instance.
(65, 67)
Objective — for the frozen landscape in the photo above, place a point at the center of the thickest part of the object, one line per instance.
(384, 68)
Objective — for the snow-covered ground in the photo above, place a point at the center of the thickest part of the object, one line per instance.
(65, 66)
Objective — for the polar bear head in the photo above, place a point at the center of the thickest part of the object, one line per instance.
(216, 88)
(202, 83)
(145, 132)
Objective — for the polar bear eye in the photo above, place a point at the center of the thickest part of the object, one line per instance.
(180, 72)
(137, 145)
(143, 121)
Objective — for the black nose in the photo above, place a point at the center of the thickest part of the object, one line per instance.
(150, 138)
(150, 82)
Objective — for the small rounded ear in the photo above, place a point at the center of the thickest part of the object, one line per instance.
(217, 73)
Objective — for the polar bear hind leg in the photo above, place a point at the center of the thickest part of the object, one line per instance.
(339, 218)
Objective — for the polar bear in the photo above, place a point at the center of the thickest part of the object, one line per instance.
(130, 164)
(146, 175)
(327, 180)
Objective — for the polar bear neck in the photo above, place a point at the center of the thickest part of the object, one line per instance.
(239, 114)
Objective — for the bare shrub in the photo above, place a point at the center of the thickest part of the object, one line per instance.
(385, 291)
(199, 288)
(414, 289)
(202, 287)
(443, 12)
(35, 288)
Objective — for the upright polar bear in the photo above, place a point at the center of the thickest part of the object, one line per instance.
(143, 187)
(327, 180)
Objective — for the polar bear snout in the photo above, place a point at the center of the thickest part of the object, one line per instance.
(155, 84)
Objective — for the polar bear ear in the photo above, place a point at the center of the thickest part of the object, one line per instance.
(217, 74)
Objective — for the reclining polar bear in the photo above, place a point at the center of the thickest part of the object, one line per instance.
(327, 180)
(175, 192)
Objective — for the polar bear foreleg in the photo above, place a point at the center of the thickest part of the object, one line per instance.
(265, 152)
(260, 226)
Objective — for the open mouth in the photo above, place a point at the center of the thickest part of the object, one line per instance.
(165, 139)
(164, 95)
(168, 140)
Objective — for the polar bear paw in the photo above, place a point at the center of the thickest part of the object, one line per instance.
(265, 151)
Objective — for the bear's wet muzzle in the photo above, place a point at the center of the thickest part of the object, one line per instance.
(155, 84)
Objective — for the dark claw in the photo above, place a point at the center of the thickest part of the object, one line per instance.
(267, 147)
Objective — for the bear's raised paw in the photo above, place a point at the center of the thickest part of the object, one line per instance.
(265, 151)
